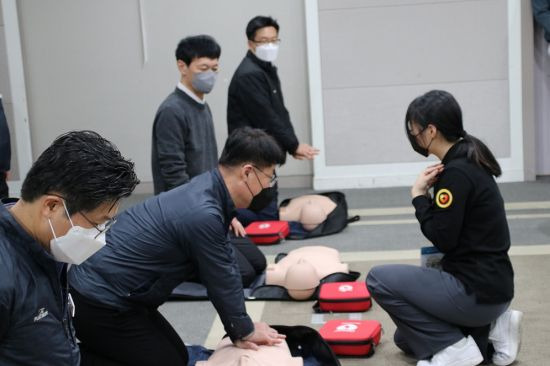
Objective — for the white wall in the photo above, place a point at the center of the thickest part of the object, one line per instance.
(373, 57)
(87, 68)
(106, 66)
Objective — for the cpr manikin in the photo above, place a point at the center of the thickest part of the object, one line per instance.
(310, 210)
(227, 354)
(302, 269)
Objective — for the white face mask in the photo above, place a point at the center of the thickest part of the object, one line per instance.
(77, 245)
(267, 52)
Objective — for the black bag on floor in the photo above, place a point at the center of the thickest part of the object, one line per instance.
(307, 343)
(258, 290)
(335, 222)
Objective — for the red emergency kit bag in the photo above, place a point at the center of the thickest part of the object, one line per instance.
(347, 297)
(267, 232)
(352, 337)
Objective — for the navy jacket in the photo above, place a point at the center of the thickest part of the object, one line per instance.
(177, 236)
(255, 99)
(467, 222)
(541, 12)
(35, 325)
(5, 148)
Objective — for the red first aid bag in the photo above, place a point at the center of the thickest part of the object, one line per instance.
(352, 337)
(344, 297)
(267, 232)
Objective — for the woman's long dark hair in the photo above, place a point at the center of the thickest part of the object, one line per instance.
(440, 108)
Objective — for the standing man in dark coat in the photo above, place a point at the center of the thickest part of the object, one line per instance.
(256, 99)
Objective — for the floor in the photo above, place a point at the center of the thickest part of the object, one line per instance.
(389, 233)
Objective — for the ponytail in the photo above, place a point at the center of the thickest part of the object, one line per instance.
(480, 154)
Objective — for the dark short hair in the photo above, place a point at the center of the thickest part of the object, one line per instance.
(251, 145)
(82, 167)
(259, 22)
(193, 47)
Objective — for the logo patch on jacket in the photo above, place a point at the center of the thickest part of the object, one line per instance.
(443, 198)
(42, 313)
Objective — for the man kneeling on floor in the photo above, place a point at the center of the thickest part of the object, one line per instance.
(177, 236)
(68, 200)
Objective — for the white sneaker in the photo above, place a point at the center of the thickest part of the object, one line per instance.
(506, 337)
(462, 353)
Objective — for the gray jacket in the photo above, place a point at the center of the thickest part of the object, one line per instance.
(35, 324)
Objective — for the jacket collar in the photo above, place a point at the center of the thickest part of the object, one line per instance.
(457, 151)
(16, 232)
(221, 190)
(267, 66)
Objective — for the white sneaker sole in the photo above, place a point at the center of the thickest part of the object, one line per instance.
(516, 319)
(473, 361)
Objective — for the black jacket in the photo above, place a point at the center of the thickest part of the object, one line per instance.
(35, 324)
(467, 222)
(5, 149)
(177, 236)
(255, 100)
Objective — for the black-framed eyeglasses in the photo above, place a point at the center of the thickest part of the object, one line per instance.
(276, 41)
(272, 178)
(101, 228)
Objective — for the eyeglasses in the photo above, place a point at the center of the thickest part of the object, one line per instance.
(102, 228)
(276, 41)
(272, 178)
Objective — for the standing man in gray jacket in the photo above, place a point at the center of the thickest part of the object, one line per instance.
(184, 143)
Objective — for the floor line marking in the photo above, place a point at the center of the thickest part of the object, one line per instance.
(414, 221)
(407, 254)
(392, 211)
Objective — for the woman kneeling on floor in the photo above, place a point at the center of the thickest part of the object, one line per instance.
(436, 310)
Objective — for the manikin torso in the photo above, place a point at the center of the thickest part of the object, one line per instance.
(227, 354)
(302, 269)
(309, 210)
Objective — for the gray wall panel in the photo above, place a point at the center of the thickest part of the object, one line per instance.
(348, 4)
(426, 43)
(372, 124)
(84, 66)
(377, 56)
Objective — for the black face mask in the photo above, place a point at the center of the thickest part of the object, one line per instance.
(414, 142)
(416, 147)
(262, 199)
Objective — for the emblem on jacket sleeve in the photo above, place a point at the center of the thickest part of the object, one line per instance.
(443, 198)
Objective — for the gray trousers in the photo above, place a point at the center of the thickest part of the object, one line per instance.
(428, 306)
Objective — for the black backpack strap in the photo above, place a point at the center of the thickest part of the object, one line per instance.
(353, 219)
